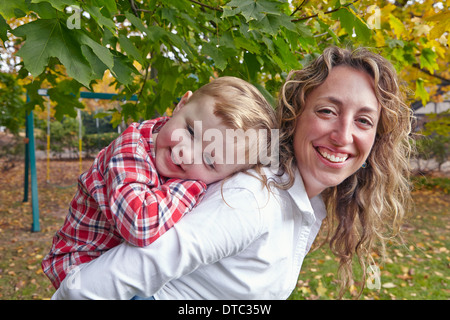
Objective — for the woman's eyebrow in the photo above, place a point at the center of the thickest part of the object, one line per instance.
(340, 103)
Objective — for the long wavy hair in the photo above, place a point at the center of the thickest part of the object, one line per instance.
(367, 208)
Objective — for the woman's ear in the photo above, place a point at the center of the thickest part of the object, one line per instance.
(184, 99)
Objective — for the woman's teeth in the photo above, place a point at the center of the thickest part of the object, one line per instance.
(332, 157)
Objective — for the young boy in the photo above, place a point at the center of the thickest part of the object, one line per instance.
(155, 172)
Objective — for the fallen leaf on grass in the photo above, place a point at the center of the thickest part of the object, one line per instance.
(321, 290)
(304, 290)
(388, 285)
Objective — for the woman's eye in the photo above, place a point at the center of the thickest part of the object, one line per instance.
(325, 111)
(365, 122)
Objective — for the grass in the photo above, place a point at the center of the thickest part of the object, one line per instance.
(419, 269)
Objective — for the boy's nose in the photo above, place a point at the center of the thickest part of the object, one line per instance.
(182, 154)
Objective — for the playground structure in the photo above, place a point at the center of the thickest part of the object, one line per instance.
(30, 151)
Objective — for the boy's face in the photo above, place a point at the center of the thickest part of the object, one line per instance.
(192, 146)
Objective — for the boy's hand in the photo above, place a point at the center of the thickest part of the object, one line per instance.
(189, 191)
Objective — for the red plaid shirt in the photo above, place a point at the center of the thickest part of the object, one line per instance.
(121, 197)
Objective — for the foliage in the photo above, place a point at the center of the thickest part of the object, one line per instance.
(160, 49)
(12, 112)
(90, 122)
(434, 144)
(64, 136)
(432, 183)
(93, 143)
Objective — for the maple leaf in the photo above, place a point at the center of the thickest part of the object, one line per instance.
(50, 38)
(253, 10)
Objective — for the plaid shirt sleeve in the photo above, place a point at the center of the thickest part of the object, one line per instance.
(143, 209)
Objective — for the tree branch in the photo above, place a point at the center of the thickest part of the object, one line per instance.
(206, 6)
(133, 8)
(327, 12)
(445, 81)
(299, 7)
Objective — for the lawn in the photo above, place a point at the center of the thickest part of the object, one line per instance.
(418, 269)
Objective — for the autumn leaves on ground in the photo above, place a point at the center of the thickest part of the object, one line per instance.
(418, 269)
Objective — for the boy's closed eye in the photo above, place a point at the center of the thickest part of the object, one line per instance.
(209, 161)
(190, 129)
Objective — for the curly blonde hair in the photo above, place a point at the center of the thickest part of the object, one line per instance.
(368, 207)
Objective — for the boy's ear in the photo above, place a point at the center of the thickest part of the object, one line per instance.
(184, 99)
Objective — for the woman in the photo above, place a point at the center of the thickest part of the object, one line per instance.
(343, 149)
(367, 206)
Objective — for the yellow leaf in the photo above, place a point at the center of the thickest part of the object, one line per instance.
(441, 23)
(304, 290)
(353, 290)
(422, 29)
(379, 38)
(388, 285)
(321, 290)
(397, 25)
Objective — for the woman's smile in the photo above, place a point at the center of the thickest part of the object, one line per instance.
(332, 156)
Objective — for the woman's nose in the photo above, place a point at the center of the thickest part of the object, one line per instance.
(342, 133)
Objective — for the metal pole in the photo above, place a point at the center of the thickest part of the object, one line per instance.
(48, 141)
(34, 188)
(27, 162)
(80, 140)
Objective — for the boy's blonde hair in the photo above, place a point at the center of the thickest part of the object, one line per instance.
(241, 105)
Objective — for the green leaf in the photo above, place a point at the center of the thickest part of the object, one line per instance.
(155, 33)
(271, 24)
(421, 92)
(284, 56)
(428, 60)
(44, 10)
(253, 65)
(50, 38)
(178, 42)
(250, 46)
(97, 66)
(103, 53)
(66, 95)
(122, 70)
(103, 21)
(254, 10)
(111, 6)
(135, 21)
(349, 21)
(58, 4)
(130, 49)
(9, 8)
(4, 28)
(215, 53)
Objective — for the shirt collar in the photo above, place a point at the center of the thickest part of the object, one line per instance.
(314, 207)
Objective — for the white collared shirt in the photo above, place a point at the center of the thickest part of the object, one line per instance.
(252, 247)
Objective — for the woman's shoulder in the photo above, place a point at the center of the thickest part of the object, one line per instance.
(250, 183)
(251, 180)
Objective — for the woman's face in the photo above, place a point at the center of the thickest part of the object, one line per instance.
(336, 130)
